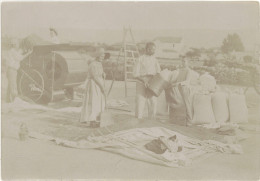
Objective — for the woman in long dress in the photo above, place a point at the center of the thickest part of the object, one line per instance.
(94, 99)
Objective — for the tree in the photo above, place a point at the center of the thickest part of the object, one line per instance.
(232, 43)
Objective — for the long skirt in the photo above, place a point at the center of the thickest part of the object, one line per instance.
(93, 103)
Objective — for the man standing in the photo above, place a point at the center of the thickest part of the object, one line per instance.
(145, 68)
(13, 64)
(185, 75)
(179, 95)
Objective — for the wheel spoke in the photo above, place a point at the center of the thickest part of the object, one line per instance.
(31, 79)
(32, 86)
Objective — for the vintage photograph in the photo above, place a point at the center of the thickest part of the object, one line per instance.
(130, 90)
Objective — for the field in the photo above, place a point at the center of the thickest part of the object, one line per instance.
(38, 159)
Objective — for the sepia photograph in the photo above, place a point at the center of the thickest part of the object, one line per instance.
(130, 90)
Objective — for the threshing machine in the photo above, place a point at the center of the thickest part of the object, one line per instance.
(52, 70)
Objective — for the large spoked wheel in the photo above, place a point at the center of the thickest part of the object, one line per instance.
(31, 85)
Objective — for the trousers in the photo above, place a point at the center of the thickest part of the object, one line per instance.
(142, 96)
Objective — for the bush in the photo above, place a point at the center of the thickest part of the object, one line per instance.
(228, 72)
(112, 69)
(210, 63)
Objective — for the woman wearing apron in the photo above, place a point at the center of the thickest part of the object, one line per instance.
(94, 98)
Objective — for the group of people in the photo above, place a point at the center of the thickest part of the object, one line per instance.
(145, 68)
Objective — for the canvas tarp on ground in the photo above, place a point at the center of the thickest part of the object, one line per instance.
(131, 143)
(64, 128)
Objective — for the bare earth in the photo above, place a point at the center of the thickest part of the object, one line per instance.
(38, 159)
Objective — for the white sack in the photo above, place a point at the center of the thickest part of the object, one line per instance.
(220, 107)
(203, 112)
(208, 82)
(237, 108)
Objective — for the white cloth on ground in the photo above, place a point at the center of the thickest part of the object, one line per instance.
(131, 144)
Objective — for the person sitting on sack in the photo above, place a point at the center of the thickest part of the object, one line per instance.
(94, 98)
(145, 68)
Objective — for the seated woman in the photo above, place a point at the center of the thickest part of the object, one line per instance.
(94, 99)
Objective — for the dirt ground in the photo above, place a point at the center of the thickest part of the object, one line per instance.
(33, 158)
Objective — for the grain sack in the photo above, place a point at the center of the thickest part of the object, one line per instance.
(162, 105)
(220, 107)
(166, 75)
(237, 108)
(180, 107)
(202, 107)
(177, 106)
(173, 76)
(157, 84)
(179, 97)
(208, 82)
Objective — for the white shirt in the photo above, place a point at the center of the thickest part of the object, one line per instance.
(14, 58)
(146, 65)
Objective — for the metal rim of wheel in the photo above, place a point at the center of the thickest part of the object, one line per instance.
(31, 88)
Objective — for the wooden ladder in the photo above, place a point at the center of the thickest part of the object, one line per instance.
(130, 54)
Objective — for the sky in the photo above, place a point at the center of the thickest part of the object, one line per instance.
(103, 21)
